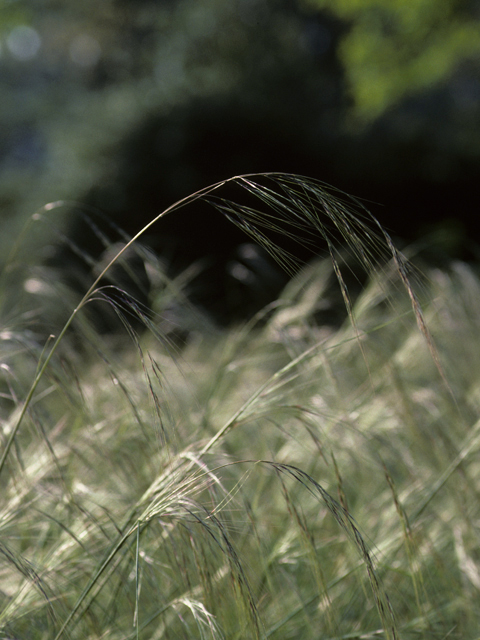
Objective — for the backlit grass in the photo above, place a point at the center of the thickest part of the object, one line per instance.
(282, 478)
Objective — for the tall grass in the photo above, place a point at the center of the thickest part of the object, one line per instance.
(278, 479)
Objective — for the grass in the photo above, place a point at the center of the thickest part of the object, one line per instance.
(277, 479)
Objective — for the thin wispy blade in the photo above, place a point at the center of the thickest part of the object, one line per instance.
(348, 524)
(401, 264)
(315, 209)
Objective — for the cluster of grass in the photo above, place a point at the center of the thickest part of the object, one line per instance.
(279, 479)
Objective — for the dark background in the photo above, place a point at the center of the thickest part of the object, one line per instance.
(128, 106)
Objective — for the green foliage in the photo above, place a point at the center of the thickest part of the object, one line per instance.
(397, 48)
(279, 479)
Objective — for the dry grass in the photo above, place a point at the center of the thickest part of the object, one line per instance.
(280, 479)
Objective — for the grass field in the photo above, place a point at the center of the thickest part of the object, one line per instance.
(278, 479)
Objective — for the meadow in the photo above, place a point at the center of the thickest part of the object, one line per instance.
(280, 478)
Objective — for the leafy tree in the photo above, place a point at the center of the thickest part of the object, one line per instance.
(396, 48)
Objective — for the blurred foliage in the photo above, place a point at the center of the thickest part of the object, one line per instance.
(127, 105)
(396, 48)
(78, 78)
